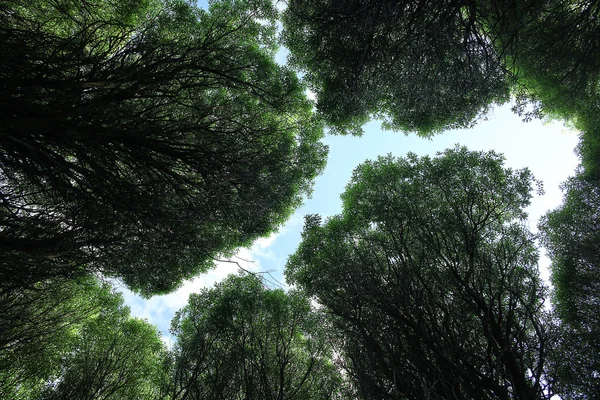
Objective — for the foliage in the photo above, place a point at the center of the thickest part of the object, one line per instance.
(571, 236)
(428, 67)
(38, 326)
(417, 65)
(143, 139)
(114, 356)
(74, 339)
(558, 66)
(432, 277)
(560, 44)
(241, 340)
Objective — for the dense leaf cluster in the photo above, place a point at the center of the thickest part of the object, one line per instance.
(76, 340)
(571, 236)
(419, 65)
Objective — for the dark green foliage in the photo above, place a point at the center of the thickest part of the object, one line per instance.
(420, 66)
(560, 44)
(143, 139)
(240, 340)
(431, 277)
(571, 235)
(427, 66)
(558, 66)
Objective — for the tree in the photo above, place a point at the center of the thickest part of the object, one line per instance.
(419, 65)
(431, 277)
(557, 63)
(560, 50)
(571, 237)
(240, 340)
(74, 339)
(39, 325)
(114, 356)
(143, 139)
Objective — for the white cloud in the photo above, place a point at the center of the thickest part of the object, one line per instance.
(260, 249)
(263, 243)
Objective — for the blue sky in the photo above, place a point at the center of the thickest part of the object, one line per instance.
(546, 149)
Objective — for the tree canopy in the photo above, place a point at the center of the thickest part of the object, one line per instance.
(558, 66)
(74, 339)
(431, 276)
(113, 356)
(241, 340)
(143, 139)
(430, 66)
(418, 65)
(571, 237)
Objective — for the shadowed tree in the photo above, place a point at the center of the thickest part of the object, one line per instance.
(420, 66)
(114, 357)
(143, 139)
(431, 277)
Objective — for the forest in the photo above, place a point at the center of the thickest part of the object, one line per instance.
(146, 140)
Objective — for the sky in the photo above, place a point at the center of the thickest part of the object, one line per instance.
(547, 149)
